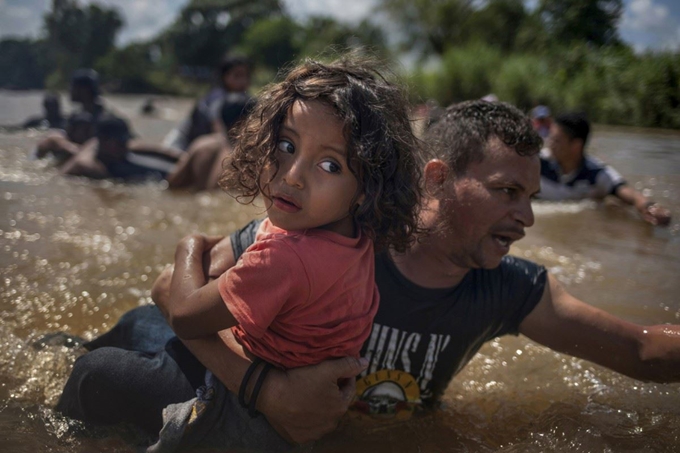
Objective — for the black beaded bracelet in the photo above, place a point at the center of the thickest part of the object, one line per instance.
(256, 390)
(244, 382)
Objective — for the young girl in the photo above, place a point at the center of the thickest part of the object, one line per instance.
(331, 151)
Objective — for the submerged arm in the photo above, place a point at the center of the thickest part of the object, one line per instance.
(650, 211)
(563, 323)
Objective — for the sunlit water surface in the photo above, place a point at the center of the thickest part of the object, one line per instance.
(75, 255)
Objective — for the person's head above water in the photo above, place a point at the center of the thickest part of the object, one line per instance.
(84, 85)
(463, 132)
(234, 73)
(113, 135)
(478, 189)
(51, 106)
(568, 137)
(332, 139)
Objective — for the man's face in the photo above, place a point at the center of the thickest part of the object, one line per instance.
(485, 210)
(80, 93)
(560, 143)
(237, 79)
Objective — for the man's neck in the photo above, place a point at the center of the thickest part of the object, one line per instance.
(570, 165)
(90, 106)
(427, 265)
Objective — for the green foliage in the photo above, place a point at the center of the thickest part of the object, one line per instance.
(499, 23)
(573, 21)
(321, 33)
(207, 29)
(611, 84)
(523, 80)
(78, 36)
(24, 64)
(127, 69)
(431, 26)
(565, 54)
(272, 42)
(466, 73)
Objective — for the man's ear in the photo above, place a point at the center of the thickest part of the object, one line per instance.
(436, 173)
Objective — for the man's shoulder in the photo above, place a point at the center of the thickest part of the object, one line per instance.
(511, 269)
(592, 163)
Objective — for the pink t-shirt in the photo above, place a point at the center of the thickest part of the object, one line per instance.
(301, 297)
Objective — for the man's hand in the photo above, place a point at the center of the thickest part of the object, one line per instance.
(305, 403)
(655, 214)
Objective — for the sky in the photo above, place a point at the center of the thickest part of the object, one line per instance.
(645, 24)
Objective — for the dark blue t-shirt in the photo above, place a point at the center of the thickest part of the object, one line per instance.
(422, 337)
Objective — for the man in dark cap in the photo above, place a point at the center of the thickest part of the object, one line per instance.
(85, 91)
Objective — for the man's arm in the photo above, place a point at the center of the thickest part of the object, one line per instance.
(651, 212)
(302, 404)
(85, 163)
(568, 325)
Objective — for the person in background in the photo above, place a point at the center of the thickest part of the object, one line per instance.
(234, 78)
(66, 143)
(331, 151)
(201, 166)
(454, 290)
(52, 118)
(568, 173)
(541, 120)
(114, 154)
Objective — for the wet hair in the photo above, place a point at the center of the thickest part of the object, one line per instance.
(87, 78)
(575, 125)
(382, 149)
(461, 134)
(51, 101)
(110, 127)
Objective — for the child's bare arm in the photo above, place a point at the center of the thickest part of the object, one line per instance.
(195, 306)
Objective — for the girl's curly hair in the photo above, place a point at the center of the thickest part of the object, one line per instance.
(382, 148)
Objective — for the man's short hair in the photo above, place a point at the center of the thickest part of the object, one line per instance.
(575, 125)
(230, 61)
(112, 127)
(461, 134)
(87, 78)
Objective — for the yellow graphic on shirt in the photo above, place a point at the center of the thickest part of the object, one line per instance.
(386, 394)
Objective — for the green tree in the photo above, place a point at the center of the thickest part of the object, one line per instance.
(24, 64)
(431, 25)
(272, 42)
(321, 33)
(127, 69)
(592, 21)
(206, 29)
(78, 36)
(498, 23)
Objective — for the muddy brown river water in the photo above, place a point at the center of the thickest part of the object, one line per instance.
(75, 255)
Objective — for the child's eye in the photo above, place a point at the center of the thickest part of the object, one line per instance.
(285, 146)
(330, 166)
